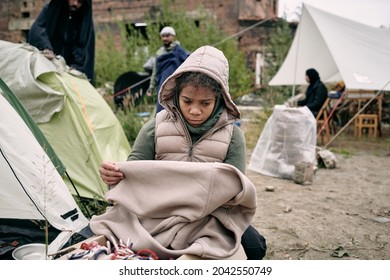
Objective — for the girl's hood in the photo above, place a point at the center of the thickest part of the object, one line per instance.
(208, 60)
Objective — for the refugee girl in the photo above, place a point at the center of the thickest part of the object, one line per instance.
(197, 125)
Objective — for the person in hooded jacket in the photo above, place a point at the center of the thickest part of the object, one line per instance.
(65, 27)
(316, 93)
(196, 125)
(168, 57)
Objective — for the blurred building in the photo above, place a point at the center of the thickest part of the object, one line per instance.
(235, 17)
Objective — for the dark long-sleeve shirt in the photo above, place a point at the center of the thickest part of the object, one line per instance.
(316, 95)
(70, 35)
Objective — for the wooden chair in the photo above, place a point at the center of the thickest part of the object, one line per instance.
(324, 124)
(369, 120)
(366, 121)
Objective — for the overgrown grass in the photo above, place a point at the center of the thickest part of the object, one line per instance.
(131, 123)
(135, 117)
(91, 207)
(343, 152)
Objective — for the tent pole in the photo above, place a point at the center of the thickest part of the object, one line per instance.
(78, 194)
(296, 61)
(243, 31)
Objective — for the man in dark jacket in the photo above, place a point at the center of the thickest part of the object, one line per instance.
(167, 64)
(168, 57)
(316, 93)
(65, 27)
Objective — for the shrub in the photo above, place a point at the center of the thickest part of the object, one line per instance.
(130, 51)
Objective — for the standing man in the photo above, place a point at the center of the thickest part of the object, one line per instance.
(65, 27)
(168, 58)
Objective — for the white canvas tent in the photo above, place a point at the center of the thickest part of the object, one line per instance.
(339, 49)
(30, 186)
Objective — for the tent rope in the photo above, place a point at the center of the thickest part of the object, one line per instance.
(128, 89)
(243, 31)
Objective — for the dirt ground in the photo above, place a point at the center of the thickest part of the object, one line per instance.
(343, 214)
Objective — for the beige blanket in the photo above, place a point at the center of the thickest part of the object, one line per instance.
(176, 208)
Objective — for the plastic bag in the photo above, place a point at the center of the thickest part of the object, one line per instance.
(288, 138)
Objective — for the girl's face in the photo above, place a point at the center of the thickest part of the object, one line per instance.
(196, 104)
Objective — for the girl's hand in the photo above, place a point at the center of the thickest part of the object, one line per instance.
(110, 173)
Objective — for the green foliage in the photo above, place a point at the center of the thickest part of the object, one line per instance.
(345, 153)
(119, 54)
(131, 124)
(276, 51)
(130, 52)
(204, 30)
(255, 126)
(109, 61)
(91, 207)
(240, 76)
(280, 42)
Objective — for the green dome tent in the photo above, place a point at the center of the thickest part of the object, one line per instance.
(74, 118)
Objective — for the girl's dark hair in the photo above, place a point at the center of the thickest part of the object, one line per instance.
(197, 79)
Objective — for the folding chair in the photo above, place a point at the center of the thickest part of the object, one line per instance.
(323, 124)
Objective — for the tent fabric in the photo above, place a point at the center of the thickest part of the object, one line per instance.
(339, 49)
(31, 187)
(14, 101)
(75, 119)
(21, 65)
